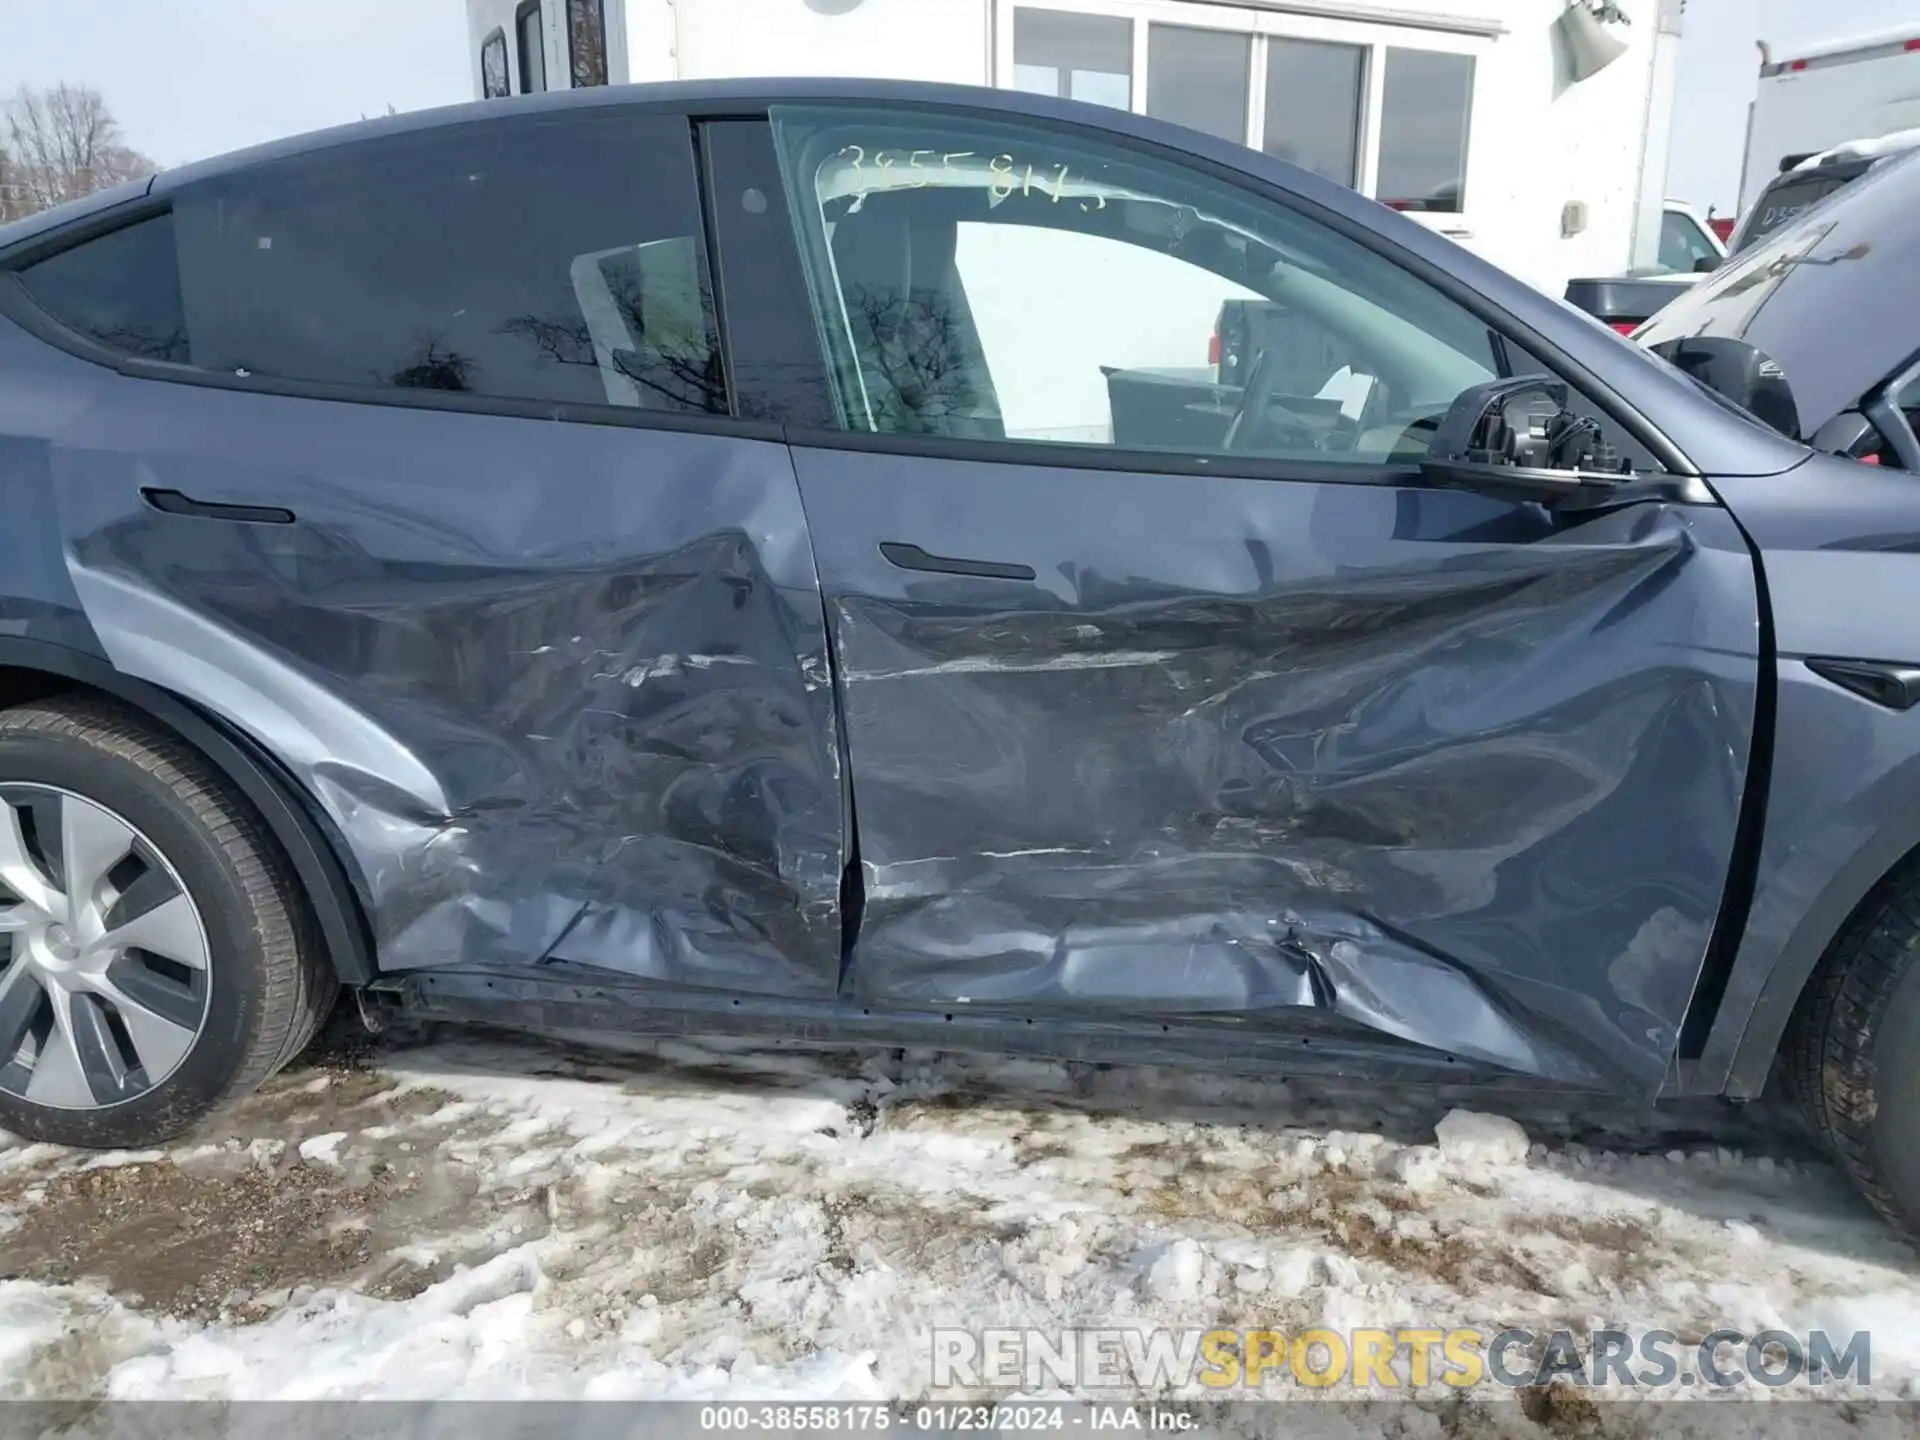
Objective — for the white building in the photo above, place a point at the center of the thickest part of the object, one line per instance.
(1463, 112)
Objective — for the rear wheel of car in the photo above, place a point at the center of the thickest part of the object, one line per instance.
(158, 959)
(1853, 1051)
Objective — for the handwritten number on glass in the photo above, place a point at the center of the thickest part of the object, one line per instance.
(887, 170)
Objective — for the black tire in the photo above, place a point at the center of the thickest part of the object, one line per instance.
(1852, 1053)
(269, 982)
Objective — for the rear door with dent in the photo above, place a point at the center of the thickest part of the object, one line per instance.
(432, 485)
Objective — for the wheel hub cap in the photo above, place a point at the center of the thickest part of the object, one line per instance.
(103, 956)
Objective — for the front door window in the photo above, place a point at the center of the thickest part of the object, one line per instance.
(1006, 280)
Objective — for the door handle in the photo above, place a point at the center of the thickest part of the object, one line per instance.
(172, 502)
(912, 557)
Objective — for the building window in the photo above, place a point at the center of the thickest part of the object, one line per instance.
(1424, 114)
(1316, 93)
(1198, 78)
(1080, 57)
(533, 50)
(493, 66)
(1347, 100)
(587, 42)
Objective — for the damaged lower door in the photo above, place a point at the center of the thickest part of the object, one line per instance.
(1174, 746)
(561, 689)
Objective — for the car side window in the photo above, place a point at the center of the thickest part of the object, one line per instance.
(1682, 244)
(992, 279)
(484, 259)
(121, 289)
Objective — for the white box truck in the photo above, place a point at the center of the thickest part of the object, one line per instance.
(1820, 96)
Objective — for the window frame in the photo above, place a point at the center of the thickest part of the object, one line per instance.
(1373, 36)
(18, 305)
(1680, 476)
(1709, 249)
(498, 36)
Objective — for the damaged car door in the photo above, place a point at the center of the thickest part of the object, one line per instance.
(1246, 720)
(453, 515)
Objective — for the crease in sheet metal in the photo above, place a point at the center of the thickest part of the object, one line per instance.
(1479, 798)
(558, 707)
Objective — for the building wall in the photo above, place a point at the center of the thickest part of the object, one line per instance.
(941, 40)
(1538, 141)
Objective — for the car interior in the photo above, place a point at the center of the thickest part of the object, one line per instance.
(1333, 373)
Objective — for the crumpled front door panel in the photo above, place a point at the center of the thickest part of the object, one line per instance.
(1427, 761)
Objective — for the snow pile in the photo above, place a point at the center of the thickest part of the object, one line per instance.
(488, 1220)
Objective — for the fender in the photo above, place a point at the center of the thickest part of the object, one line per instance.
(293, 822)
(1844, 811)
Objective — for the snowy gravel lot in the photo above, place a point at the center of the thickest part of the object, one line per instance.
(450, 1214)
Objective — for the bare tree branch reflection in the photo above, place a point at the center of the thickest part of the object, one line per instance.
(437, 368)
(674, 360)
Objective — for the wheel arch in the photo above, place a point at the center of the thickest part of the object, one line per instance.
(33, 670)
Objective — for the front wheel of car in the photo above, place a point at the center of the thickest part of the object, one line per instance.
(158, 958)
(1853, 1052)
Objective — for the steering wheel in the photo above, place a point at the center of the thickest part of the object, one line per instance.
(1256, 401)
(1309, 430)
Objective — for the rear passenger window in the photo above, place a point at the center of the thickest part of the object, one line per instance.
(557, 260)
(122, 289)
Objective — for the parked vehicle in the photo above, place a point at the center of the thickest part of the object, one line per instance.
(1825, 95)
(749, 598)
(1812, 180)
(1628, 301)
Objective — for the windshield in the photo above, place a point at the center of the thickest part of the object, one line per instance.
(1830, 295)
(1783, 202)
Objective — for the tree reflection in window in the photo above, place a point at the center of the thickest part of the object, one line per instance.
(644, 322)
(436, 368)
(493, 66)
(587, 42)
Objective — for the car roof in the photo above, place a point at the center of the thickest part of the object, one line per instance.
(42, 221)
(1873, 148)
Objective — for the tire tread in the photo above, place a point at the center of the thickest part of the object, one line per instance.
(1828, 1054)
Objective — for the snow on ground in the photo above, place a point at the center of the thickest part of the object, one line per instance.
(459, 1215)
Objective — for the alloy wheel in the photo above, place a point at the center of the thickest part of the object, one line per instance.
(104, 985)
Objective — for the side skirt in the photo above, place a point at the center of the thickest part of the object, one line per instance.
(515, 1000)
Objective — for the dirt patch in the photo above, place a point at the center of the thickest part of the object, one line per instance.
(1370, 1218)
(196, 1245)
(1560, 1409)
(235, 1220)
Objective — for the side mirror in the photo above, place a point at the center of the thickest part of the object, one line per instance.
(1750, 378)
(1707, 264)
(1517, 440)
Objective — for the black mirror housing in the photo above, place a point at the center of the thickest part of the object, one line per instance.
(1748, 377)
(1516, 439)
